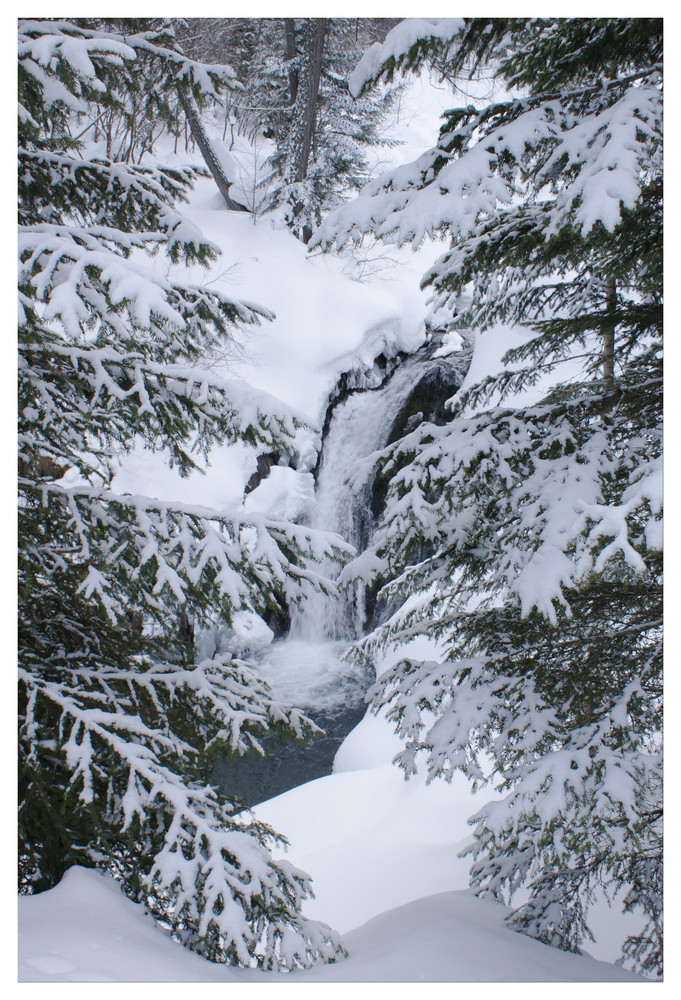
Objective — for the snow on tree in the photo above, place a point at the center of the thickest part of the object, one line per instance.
(324, 152)
(295, 92)
(534, 533)
(302, 128)
(117, 725)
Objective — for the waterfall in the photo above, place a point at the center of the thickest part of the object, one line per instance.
(308, 668)
(361, 424)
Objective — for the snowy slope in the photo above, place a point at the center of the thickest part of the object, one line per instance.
(324, 320)
(325, 323)
(383, 856)
(85, 930)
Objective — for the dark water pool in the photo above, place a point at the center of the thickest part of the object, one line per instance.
(329, 690)
(254, 779)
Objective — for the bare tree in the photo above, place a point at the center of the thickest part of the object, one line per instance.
(208, 153)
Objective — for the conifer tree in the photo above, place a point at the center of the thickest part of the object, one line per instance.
(117, 724)
(534, 531)
(295, 92)
(321, 155)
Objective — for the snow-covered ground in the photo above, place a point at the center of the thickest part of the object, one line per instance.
(85, 930)
(383, 852)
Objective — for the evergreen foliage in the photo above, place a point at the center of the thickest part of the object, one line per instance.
(117, 725)
(344, 130)
(533, 532)
(271, 57)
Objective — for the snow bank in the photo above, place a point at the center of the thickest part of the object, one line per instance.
(321, 316)
(324, 324)
(383, 853)
(285, 494)
(219, 485)
(85, 930)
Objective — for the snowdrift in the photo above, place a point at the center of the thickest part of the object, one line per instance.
(85, 930)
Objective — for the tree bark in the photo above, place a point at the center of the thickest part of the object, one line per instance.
(305, 109)
(609, 332)
(203, 142)
(289, 27)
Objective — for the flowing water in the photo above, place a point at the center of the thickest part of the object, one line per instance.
(306, 669)
(360, 425)
(311, 676)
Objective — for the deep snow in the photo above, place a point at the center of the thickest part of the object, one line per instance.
(85, 930)
(383, 853)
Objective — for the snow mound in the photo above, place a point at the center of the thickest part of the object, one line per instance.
(86, 930)
(285, 494)
(454, 937)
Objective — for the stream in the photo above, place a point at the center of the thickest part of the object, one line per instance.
(306, 668)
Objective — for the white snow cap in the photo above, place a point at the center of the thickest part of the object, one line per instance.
(398, 42)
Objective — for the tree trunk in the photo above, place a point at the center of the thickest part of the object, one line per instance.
(203, 142)
(289, 26)
(609, 332)
(305, 109)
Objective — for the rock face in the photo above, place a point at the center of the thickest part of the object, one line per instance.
(265, 463)
(438, 375)
(279, 620)
(438, 382)
(427, 401)
(354, 381)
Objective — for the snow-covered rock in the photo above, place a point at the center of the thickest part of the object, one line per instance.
(285, 494)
